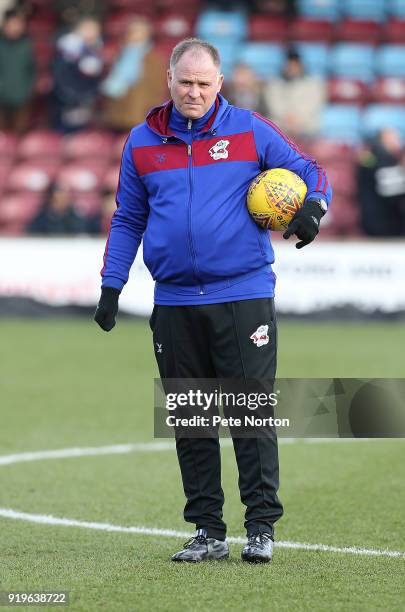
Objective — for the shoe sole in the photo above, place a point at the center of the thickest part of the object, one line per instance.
(256, 560)
(223, 558)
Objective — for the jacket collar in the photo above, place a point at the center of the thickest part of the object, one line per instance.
(158, 118)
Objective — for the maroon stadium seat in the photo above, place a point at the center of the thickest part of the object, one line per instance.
(5, 169)
(110, 52)
(267, 28)
(341, 175)
(83, 176)
(343, 217)
(43, 25)
(359, 31)
(390, 90)
(394, 31)
(40, 144)
(91, 144)
(8, 145)
(43, 51)
(19, 208)
(311, 30)
(33, 175)
(174, 26)
(329, 151)
(179, 6)
(348, 91)
(116, 24)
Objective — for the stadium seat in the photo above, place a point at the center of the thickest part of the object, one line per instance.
(319, 9)
(267, 28)
(19, 208)
(363, 9)
(353, 61)
(394, 31)
(83, 176)
(5, 168)
(228, 50)
(222, 24)
(343, 216)
(341, 123)
(348, 91)
(390, 60)
(91, 144)
(311, 30)
(8, 145)
(390, 90)
(379, 116)
(33, 175)
(42, 25)
(315, 57)
(352, 30)
(341, 176)
(266, 59)
(174, 26)
(396, 8)
(43, 52)
(327, 151)
(41, 144)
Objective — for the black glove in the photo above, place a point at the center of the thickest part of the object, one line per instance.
(305, 223)
(107, 308)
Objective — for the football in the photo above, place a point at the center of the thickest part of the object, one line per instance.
(274, 196)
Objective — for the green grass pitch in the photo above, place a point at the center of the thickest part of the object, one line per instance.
(65, 384)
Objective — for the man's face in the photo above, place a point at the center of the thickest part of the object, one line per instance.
(194, 83)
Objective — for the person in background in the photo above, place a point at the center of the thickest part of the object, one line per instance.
(136, 81)
(381, 185)
(17, 73)
(296, 99)
(57, 215)
(99, 223)
(245, 89)
(77, 72)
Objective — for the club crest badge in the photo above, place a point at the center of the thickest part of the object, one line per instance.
(261, 337)
(219, 150)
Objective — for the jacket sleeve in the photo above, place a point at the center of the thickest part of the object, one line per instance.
(276, 150)
(127, 224)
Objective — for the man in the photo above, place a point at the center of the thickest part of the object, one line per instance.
(183, 182)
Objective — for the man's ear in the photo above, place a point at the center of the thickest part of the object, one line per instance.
(220, 81)
(169, 78)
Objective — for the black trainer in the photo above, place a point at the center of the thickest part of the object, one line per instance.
(201, 548)
(259, 548)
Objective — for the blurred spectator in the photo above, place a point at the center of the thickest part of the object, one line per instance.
(17, 73)
(245, 90)
(70, 11)
(381, 185)
(100, 222)
(58, 215)
(136, 81)
(76, 72)
(295, 100)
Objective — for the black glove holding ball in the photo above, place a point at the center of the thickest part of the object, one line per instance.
(305, 222)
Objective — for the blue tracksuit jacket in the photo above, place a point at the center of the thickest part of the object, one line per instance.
(183, 188)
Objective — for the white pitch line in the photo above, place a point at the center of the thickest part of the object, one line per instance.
(48, 519)
(142, 447)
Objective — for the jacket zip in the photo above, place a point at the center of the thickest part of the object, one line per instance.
(190, 176)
